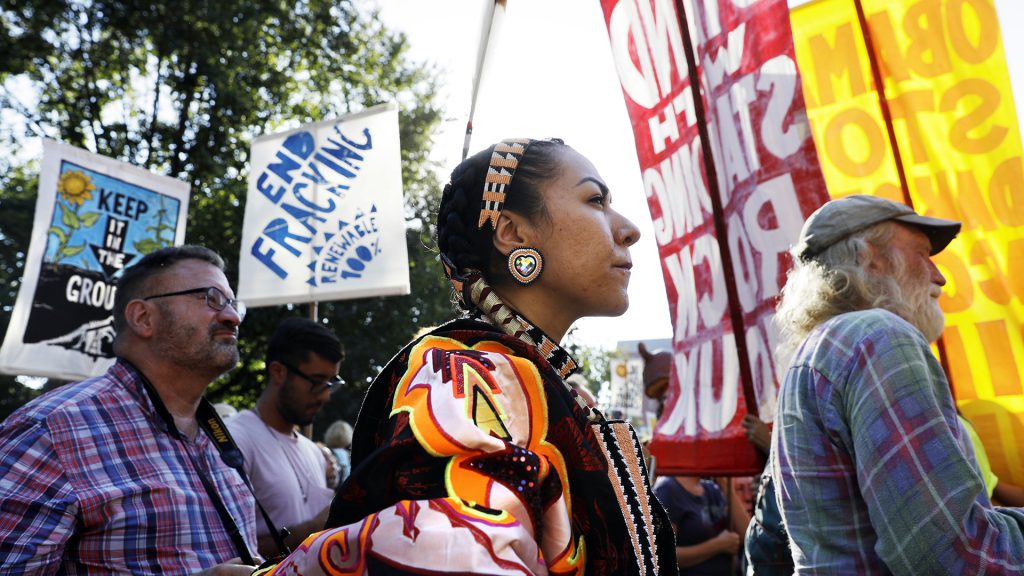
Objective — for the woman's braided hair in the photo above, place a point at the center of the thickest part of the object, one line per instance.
(464, 244)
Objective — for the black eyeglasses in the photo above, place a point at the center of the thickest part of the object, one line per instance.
(319, 385)
(215, 299)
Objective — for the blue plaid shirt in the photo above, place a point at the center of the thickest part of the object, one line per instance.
(872, 472)
(91, 482)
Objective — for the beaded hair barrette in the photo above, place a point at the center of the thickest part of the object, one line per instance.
(504, 160)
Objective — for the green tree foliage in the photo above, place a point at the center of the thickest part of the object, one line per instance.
(181, 88)
(594, 363)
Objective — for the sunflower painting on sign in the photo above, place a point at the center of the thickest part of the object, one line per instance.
(74, 189)
(94, 216)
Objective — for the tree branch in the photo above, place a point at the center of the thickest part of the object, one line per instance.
(156, 105)
(189, 90)
(92, 113)
(10, 101)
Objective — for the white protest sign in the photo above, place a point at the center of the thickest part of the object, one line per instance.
(324, 217)
(94, 217)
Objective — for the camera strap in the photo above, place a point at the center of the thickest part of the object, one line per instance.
(231, 454)
(212, 425)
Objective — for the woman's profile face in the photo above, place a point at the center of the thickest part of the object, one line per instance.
(585, 243)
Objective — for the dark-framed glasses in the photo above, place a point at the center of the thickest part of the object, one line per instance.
(215, 299)
(319, 384)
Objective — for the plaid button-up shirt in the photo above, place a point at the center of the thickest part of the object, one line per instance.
(874, 474)
(91, 482)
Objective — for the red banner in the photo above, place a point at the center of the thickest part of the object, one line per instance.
(729, 179)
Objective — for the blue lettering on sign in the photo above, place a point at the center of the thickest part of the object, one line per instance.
(299, 168)
(347, 252)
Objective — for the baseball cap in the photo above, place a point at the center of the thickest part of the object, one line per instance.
(840, 218)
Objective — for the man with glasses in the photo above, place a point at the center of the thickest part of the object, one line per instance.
(123, 473)
(288, 471)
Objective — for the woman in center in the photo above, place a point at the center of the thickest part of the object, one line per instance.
(470, 453)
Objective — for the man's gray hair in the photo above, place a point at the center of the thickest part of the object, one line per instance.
(837, 281)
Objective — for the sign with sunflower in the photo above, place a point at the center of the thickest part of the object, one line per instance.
(324, 217)
(94, 216)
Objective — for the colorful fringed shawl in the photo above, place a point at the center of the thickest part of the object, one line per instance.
(470, 455)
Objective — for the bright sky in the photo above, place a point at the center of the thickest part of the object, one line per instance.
(551, 74)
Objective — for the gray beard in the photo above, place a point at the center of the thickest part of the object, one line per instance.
(917, 305)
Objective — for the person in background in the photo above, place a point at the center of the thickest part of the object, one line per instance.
(1000, 491)
(122, 473)
(743, 488)
(579, 385)
(706, 542)
(333, 469)
(765, 542)
(287, 470)
(471, 454)
(758, 432)
(338, 437)
(867, 456)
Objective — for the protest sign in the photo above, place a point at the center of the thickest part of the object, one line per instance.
(94, 217)
(726, 205)
(324, 218)
(946, 83)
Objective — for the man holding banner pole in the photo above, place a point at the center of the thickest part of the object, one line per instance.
(873, 472)
(132, 472)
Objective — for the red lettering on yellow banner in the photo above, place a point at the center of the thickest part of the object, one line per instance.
(908, 109)
(1000, 283)
(1015, 268)
(958, 371)
(995, 342)
(1006, 191)
(948, 90)
(971, 27)
(958, 294)
(986, 272)
(964, 134)
(972, 204)
(986, 41)
(852, 133)
(890, 55)
(834, 60)
(926, 55)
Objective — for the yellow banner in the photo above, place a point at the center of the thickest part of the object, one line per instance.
(948, 90)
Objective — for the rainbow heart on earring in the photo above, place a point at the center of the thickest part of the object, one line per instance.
(525, 264)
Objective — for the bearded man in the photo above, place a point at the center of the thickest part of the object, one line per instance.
(873, 472)
(123, 473)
